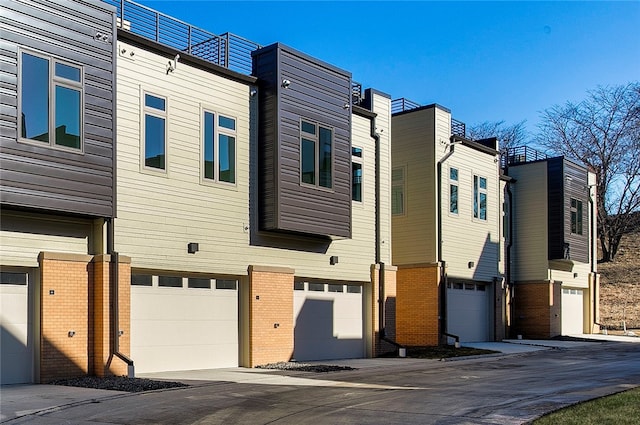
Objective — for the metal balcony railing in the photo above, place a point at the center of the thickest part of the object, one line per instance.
(521, 154)
(458, 128)
(227, 50)
(403, 104)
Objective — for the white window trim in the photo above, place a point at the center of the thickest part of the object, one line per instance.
(358, 160)
(480, 190)
(217, 131)
(144, 110)
(53, 82)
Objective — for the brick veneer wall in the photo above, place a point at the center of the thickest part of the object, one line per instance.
(390, 305)
(537, 309)
(270, 314)
(75, 299)
(417, 304)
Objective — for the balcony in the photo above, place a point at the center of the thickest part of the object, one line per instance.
(458, 128)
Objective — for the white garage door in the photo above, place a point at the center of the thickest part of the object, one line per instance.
(16, 327)
(572, 311)
(183, 323)
(468, 311)
(328, 321)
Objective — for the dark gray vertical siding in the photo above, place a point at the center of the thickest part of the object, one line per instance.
(318, 92)
(576, 188)
(556, 208)
(41, 177)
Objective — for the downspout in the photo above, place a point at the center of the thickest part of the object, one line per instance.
(443, 275)
(114, 278)
(508, 259)
(592, 261)
(381, 270)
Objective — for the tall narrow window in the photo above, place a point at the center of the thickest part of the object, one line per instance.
(219, 147)
(479, 197)
(453, 190)
(576, 216)
(51, 99)
(397, 191)
(155, 131)
(356, 174)
(316, 154)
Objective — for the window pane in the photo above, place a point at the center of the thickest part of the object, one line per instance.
(225, 122)
(226, 284)
(308, 161)
(154, 142)
(475, 196)
(397, 200)
(397, 174)
(356, 181)
(68, 72)
(483, 183)
(35, 98)
(154, 102)
(307, 127)
(170, 281)
(141, 279)
(67, 117)
(316, 287)
(483, 206)
(579, 217)
(354, 289)
(336, 288)
(199, 283)
(227, 155)
(13, 278)
(453, 174)
(208, 146)
(326, 155)
(356, 152)
(298, 286)
(453, 198)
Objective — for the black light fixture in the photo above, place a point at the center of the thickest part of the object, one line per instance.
(471, 264)
(333, 260)
(192, 247)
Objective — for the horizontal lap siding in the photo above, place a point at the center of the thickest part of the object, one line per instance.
(318, 93)
(577, 188)
(39, 176)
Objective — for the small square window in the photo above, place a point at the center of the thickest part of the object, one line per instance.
(154, 102)
(354, 289)
(298, 286)
(319, 287)
(356, 152)
(69, 72)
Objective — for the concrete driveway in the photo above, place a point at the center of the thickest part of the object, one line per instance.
(502, 389)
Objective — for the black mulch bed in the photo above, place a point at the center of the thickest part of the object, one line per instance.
(118, 383)
(304, 367)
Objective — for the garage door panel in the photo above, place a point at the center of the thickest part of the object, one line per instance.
(328, 325)
(572, 311)
(468, 312)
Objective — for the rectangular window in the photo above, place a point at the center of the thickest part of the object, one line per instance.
(576, 216)
(356, 174)
(170, 281)
(141, 280)
(298, 286)
(219, 148)
(336, 288)
(13, 278)
(479, 197)
(397, 191)
(316, 287)
(199, 283)
(354, 289)
(51, 101)
(453, 190)
(316, 154)
(155, 131)
(226, 284)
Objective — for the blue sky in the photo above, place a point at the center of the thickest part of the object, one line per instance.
(486, 61)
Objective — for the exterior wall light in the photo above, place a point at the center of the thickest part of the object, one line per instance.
(286, 83)
(333, 260)
(471, 264)
(192, 247)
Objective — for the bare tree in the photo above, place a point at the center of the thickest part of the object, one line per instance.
(602, 132)
(509, 136)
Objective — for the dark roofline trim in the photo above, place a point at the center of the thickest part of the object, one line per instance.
(433, 105)
(378, 92)
(194, 61)
(304, 56)
(474, 145)
(363, 112)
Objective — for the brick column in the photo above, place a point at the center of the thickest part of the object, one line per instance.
(417, 321)
(65, 334)
(270, 314)
(104, 364)
(537, 309)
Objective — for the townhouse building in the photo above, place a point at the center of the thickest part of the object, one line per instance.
(447, 197)
(554, 268)
(175, 199)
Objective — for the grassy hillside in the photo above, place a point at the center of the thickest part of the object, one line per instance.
(620, 285)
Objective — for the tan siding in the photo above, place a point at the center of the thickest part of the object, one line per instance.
(160, 213)
(465, 238)
(414, 233)
(530, 221)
